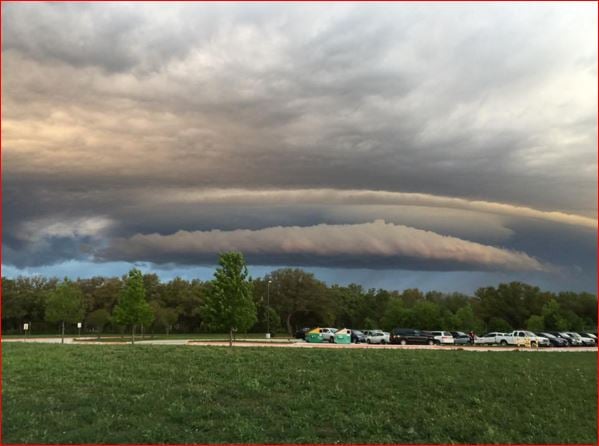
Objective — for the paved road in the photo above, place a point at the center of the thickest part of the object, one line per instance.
(298, 344)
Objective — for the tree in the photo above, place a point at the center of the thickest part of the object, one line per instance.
(165, 317)
(294, 293)
(229, 304)
(395, 314)
(98, 319)
(132, 308)
(499, 324)
(535, 323)
(65, 304)
(467, 320)
(427, 315)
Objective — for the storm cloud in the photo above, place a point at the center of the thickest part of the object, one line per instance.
(339, 245)
(130, 126)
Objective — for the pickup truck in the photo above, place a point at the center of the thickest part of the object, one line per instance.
(516, 337)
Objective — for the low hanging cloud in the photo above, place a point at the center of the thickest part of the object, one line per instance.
(369, 197)
(376, 244)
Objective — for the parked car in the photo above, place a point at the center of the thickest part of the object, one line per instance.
(459, 337)
(444, 337)
(405, 336)
(563, 336)
(328, 334)
(301, 333)
(377, 337)
(588, 335)
(357, 336)
(554, 340)
(574, 342)
(494, 337)
(586, 341)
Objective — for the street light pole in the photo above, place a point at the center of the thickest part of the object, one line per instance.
(268, 309)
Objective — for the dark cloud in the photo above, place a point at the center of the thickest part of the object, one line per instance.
(110, 107)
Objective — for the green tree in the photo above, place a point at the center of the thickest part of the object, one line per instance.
(535, 323)
(296, 294)
(98, 319)
(65, 304)
(165, 317)
(133, 308)
(552, 316)
(395, 315)
(467, 320)
(427, 315)
(229, 304)
(499, 324)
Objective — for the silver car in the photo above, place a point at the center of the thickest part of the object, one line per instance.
(377, 337)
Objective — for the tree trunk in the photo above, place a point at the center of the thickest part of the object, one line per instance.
(230, 337)
(133, 334)
(142, 331)
(289, 329)
(62, 334)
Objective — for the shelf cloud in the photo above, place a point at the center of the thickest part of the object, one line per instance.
(378, 242)
(168, 132)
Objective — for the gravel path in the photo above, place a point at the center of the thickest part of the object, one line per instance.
(299, 344)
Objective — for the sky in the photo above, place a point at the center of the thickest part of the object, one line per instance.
(441, 146)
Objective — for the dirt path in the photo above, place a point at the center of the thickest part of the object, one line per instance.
(297, 344)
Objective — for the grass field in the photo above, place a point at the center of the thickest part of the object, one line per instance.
(168, 394)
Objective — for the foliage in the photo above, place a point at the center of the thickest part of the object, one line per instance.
(229, 304)
(298, 299)
(535, 323)
(499, 324)
(98, 319)
(133, 308)
(164, 317)
(65, 305)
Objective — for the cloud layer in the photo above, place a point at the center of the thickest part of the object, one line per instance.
(154, 122)
(377, 243)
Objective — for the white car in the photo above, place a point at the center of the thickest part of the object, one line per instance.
(574, 341)
(328, 334)
(583, 340)
(494, 337)
(443, 337)
(377, 337)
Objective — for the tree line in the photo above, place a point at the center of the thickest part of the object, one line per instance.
(284, 300)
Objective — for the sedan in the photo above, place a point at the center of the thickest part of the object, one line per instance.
(459, 337)
(378, 337)
(357, 336)
(444, 337)
(553, 340)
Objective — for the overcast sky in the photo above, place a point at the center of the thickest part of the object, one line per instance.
(444, 146)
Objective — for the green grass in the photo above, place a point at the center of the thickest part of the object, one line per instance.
(182, 394)
(127, 336)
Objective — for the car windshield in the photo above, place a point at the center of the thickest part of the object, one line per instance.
(548, 335)
(357, 332)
